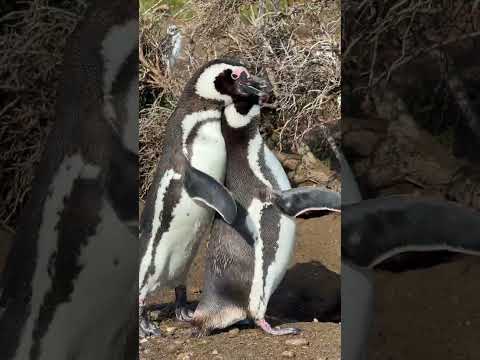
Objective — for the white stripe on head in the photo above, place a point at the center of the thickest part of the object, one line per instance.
(205, 86)
(72, 168)
(237, 120)
(192, 119)
(255, 145)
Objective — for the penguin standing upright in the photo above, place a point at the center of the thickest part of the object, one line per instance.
(174, 218)
(247, 260)
(73, 265)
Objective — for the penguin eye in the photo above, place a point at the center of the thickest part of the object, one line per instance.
(234, 76)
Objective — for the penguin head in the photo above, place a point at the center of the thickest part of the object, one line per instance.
(172, 30)
(228, 81)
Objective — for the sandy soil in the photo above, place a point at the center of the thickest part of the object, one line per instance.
(428, 314)
(309, 291)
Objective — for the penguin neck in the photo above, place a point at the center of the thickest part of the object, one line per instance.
(240, 123)
(242, 116)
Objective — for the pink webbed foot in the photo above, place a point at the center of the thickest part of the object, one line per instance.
(265, 326)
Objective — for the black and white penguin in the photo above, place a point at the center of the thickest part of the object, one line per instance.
(247, 260)
(71, 278)
(374, 231)
(175, 218)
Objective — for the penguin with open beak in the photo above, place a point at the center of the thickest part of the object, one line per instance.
(176, 216)
(247, 258)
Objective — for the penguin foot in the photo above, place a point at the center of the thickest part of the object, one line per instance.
(265, 326)
(147, 328)
(183, 313)
(199, 332)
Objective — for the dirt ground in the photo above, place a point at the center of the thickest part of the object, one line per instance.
(309, 291)
(438, 307)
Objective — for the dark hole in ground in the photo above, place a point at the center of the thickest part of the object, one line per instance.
(308, 291)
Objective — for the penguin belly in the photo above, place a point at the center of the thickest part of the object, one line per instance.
(64, 310)
(113, 293)
(178, 245)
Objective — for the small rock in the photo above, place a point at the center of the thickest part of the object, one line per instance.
(288, 354)
(178, 342)
(291, 164)
(185, 356)
(170, 330)
(233, 332)
(172, 348)
(143, 340)
(215, 352)
(297, 342)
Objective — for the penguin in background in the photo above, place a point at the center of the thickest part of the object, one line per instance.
(70, 282)
(247, 259)
(176, 217)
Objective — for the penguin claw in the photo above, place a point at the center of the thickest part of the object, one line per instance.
(265, 326)
(184, 314)
(147, 329)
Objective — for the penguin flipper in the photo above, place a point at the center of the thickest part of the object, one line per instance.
(295, 202)
(207, 191)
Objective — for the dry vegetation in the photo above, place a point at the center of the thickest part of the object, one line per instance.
(297, 46)
(32, 36)
(412, 61)
(409, 45)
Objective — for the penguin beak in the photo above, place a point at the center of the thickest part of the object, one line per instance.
(254, 85)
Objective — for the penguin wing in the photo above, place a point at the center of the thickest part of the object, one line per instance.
(376, 230)
(207, 191)
(295, 202)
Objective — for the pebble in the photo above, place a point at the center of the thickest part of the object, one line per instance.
(170, 330)
(172, 348)
(143, 340)
(288, 354)
(185, 356)
(215, 352)
(297, 342)
(233, 332)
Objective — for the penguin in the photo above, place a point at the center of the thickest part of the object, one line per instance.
(247, 260)
(376, 230)
(73, 265)
(175, 218)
